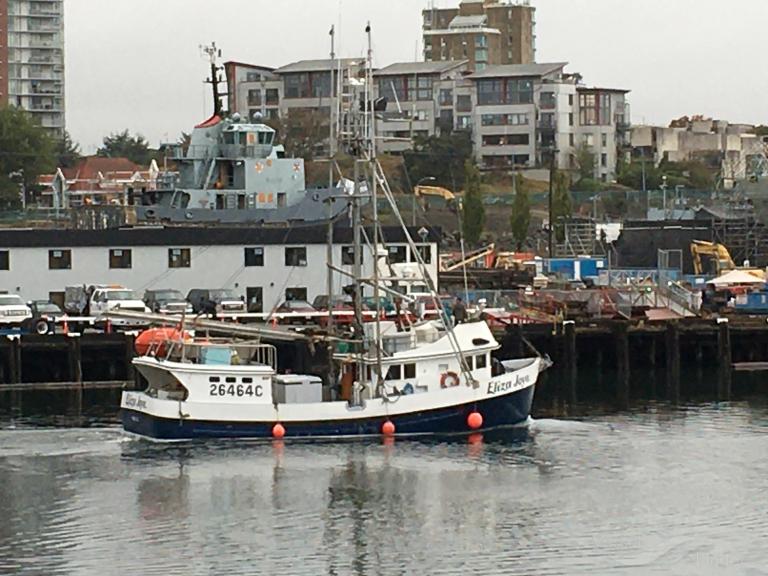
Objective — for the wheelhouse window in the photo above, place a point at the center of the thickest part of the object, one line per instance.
(179, 258)
(296, 256)
(59, 259)
(397, 254)
(348, 256)
(425, 251)
(394, 373)
(254, 257)
(481, 361)
(120, 259)
(5, 260)
(409, 371)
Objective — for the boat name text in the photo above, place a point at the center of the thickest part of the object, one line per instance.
(496, 387)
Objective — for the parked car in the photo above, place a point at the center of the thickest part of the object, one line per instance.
(225, 300)
(167, 301)
(296, 306)
(97, 299)
(13, 311)
(45, 308)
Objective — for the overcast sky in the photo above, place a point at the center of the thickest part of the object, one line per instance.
(137, 64)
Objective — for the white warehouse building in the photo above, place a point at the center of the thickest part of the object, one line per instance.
(265, 266)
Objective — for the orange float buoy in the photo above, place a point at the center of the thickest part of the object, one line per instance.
(388, 428)
(278, 431)
(475, 420)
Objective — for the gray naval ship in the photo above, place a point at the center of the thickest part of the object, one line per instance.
(234, 172)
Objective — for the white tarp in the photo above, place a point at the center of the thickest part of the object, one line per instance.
(736, 277)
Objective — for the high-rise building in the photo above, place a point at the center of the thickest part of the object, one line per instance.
(484, 32)
(32, 59)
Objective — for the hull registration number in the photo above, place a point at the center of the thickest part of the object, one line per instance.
(236, 390)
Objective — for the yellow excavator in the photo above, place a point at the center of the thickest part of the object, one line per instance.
(720, 258)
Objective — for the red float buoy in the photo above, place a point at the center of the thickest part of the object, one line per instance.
(388, 428)
(278, 431)
(475, 420)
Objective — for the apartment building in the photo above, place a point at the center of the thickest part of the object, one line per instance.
(423, 99)
(32, 59)
(326, 89)
(483, 32)
(517, 113)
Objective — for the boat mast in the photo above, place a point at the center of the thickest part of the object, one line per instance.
(215, 79)
(374, 201)
(331, 156)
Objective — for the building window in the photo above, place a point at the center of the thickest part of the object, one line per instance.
(296, 257)
(589, 140)
(5, 260)
(445, 121)
(508, 140)
(605, 140)
(254, 257)
(446, 97)
(481, 41)
(296, 294)
(595, 109)
(504, 119)
(179, 258)
(463, 122)
(570, 99)
(272, 96)
(409, 371)
(59, 259)
(548, 101)
(570, 119)
(504, 91)
(120, 259)
(254, 97)
(464, 103)
(425, 250)
(604, 160)
(571, 140)
(481, 55)
(252, 77)
(348, 256)
(424, 88)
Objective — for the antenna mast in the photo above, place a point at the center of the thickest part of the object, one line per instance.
(214, 54)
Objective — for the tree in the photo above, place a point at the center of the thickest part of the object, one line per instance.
(123, 145)
(585, 161)
(474, 211)
(441, 157)
(520, 220)
(562, 204)
(67, 151)
(26, 152)
(303, 131)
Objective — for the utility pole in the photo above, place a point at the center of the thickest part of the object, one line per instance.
(551, 202)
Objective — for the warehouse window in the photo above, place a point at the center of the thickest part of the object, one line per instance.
(296, 256)
(254, 257)
(5, 260)
(59, 259)
(179, 258)
(120, 259)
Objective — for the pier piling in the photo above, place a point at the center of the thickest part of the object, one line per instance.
(571, 360)
(621, 334)
(673, 361)
(724, 357)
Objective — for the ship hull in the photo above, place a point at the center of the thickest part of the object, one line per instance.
(512, 409)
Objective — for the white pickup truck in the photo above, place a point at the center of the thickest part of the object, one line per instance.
(13, 311)
(94, 301)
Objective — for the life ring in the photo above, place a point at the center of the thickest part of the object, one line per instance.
(449, 380)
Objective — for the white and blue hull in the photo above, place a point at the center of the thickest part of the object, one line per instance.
(501, 401)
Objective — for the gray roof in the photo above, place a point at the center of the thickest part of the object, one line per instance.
(405, 68)
(515, 70)
(316, 65)
(469, 21)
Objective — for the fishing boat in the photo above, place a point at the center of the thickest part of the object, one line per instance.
(385, 377)
(234, 389)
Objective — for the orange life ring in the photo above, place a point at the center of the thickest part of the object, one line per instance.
(454, 379)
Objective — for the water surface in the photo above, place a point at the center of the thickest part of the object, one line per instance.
(663, 490)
